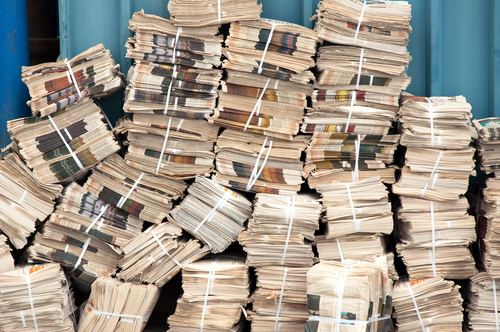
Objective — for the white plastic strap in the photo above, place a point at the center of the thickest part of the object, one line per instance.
(174, 72)
(163, 248)
(211, 275)
(359, 23)
(357, 146)
(353, 101)
(74, 80)
(495, 304)
(68, 134)
(356, 221)
(22, 197)
(416, 307)
(163, 147)
(361, 59)
(340, 250)
(27, 271)
(124, 199)
(346, 321)
(211, 214)
(22, 318)
(267, 45)
(276, 321)
(117, 314)
(433, 252)
(77, 161)
(255, 175)
(290, 210)
(422, 192)
(256, 108)
(371, 79)
(340, 294)
(103, 209)
(84, 248)
(431, 119)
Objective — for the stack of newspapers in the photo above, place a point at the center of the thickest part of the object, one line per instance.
(488, 143)
(482, 305)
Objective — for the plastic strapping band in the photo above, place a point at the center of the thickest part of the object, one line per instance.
(289, 213)
(416, 306)
(211, 275)
(340, 294)
(346, 321)
(22, 318)
(103, 209)
(163, 147)
(340, 250)
(75, 157)
(359, 23)
(117, 315)
(22, 197)
(356, 221)
(211, 214)
(174, 72)
(75, 83)
(422, 192)
(68, 134)
(431, 120)
(276, 321)
(495, 304)
(265, 48)
(163, 248)
(84, 248)
(256, 108)
(255, 174)
(124, 199)
(433, 252)
(371, 79)
(357, 146)
(359, 67)
(353, 101)
(31, 297)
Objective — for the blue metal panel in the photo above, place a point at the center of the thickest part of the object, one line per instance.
(495, 57)
(14, 53)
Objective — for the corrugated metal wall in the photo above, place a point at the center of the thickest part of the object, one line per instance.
(455, 45)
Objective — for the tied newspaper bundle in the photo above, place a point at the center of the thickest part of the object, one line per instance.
(437, 132)
(257, 163)
(171, 90)
(24, 200)
(212, 213)
(36, 298)
(172, 147)
(117, 306)
(200, 13)
(349, 296)
(267, 77)
(343, 157)
(84, 234)
(488, 143)
(434, 238)
(278, 244)
(54, 85)
(427, 304)
(355, 212)
(158, 254)
(140, 194)
(63, 146)
(482, 303)
(6, 259)
(216, 290)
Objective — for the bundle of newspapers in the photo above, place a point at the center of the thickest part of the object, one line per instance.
(24, 200)
(257, 163)
(6, 259)
(278, 244)
(482, 303)
(114, 305)
(488, 143)
(55, 85)
(434, 238)
(158, 254)
(84, 234)
(140, 194)
(355, 212)
(198, 13)
(267, 77)
(36, 298)
(211, 213)
(63, 146)
(216, 290)
(437, 132)
(431, 304)
(349, 296)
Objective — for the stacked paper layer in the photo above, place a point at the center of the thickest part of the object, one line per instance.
(488, 143)
(427, 304)
(64, 145)
(55, 85)
(215, 291)
(482, 305)
(6, 259)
